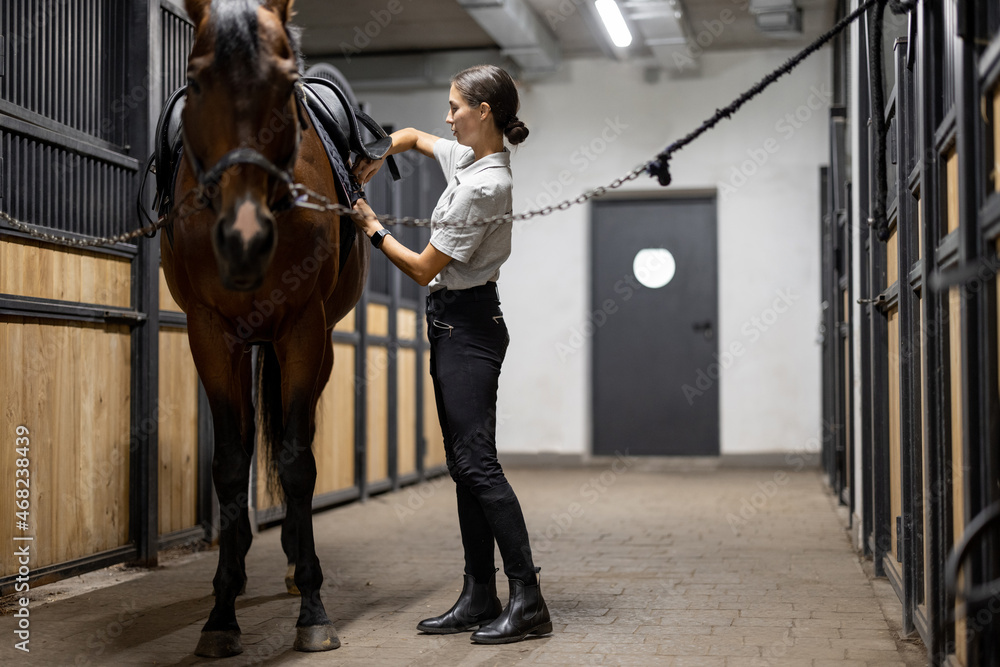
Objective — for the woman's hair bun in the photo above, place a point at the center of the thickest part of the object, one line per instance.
(515, 131)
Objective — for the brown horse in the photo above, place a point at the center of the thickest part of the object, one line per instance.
(250, 272)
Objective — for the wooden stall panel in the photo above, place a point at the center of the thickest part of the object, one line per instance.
(406, 324)
(951, 183)
(378, 319)
(377, 411)
(406, 438)
(334, 441)
(70, 385)
(178, 427)
(895, 468)
(347, 325)
(892, 257)
(434, 455)
(166, 300)
(63, 274)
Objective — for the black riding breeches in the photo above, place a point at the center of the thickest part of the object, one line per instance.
(468, 341)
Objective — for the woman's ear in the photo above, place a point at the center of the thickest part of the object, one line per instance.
(484, 110)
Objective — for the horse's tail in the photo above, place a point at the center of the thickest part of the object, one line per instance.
(270, 428)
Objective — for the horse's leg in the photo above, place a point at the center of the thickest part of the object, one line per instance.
(301, 348)
(288, 535)
(289, 542)
(226, 376)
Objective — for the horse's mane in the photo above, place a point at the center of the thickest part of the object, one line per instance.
(295, 40)
(236, 34)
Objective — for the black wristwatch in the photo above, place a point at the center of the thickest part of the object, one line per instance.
(379, 236)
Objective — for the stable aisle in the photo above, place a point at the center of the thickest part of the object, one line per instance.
(726, 567)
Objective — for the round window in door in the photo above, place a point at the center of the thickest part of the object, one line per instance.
(654, 267)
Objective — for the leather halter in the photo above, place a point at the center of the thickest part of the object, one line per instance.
(209, 178)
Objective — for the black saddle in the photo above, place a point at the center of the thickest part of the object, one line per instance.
(337, 122)
(343, 122)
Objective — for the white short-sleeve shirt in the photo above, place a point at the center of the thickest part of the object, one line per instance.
(476, 189)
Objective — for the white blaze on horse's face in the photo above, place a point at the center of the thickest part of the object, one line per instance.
(241, 96)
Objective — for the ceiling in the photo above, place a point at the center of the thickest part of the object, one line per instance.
(380, 27)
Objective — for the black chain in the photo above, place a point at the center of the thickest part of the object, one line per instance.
(148, 230)
(307, 198)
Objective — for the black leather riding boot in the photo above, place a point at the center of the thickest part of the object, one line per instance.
(526, 614)
(477, 605)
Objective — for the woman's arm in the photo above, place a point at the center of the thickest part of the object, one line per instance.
(402, 140)
(420, 267)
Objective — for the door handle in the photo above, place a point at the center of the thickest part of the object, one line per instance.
(705, 328)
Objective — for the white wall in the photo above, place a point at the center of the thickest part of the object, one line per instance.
(768, 234)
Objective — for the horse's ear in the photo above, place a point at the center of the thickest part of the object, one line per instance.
(283, 8)
(197, 10)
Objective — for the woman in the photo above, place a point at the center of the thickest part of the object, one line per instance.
(468, 340)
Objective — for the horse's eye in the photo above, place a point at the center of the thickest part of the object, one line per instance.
(193, 86)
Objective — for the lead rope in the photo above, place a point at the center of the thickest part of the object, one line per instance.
(658, 167)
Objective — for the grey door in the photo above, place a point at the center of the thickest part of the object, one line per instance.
(654, 315)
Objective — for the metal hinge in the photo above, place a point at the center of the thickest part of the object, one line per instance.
(878, 300)
(129, 317)
(3, 56)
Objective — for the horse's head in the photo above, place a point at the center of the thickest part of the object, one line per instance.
(241, 132)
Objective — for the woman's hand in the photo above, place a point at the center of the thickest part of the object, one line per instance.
(364, 218)
(364, 170)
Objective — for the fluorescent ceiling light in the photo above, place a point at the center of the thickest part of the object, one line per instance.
(614, 22)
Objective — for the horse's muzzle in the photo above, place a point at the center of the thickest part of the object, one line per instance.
(244, 243)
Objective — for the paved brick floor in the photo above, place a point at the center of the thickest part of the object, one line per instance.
(699, 567)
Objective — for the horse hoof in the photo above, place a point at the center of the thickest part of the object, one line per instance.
(290, 581)
(312, 638)
(219, 644)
